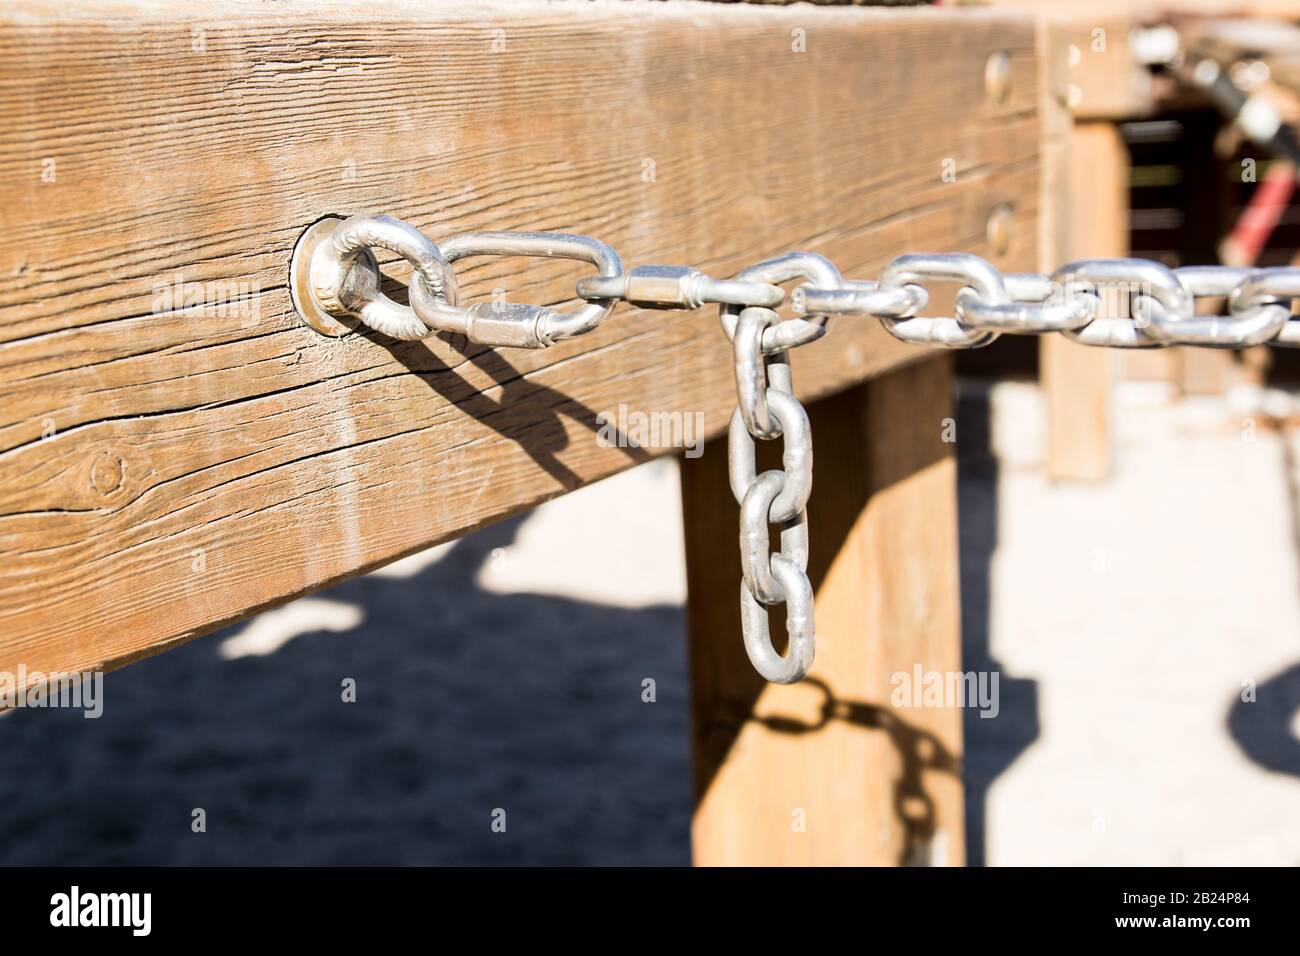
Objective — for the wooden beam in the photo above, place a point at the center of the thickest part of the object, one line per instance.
(1084, 214)
(171, 461)
(1102, 79)
(831, 771)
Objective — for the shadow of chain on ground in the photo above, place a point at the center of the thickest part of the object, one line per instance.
(1263, 726)
(991, 745)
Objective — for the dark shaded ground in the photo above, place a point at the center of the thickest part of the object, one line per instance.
(991, 746)
(466, 702)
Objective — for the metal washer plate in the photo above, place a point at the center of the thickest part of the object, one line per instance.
(304, 302)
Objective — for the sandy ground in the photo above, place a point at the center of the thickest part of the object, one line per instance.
(504, 672)
(1133, 617)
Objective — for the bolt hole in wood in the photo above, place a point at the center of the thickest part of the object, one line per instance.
(998, 232)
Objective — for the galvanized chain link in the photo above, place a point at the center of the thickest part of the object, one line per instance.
(1158, 302)
(1117, 303)
(767, 409)
(1147, 304)
(343, 281)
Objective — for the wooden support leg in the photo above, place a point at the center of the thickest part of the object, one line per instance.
(830, 771)
(1078, 381)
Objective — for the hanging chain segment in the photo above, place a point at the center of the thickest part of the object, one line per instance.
(1117, 303)
(767, 409)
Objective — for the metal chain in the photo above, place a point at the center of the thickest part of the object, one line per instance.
(767, 409)
(1117, 303)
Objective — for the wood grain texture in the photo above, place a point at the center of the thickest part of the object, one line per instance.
(168, 466)
(833, 771)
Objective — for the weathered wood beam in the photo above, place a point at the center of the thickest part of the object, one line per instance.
(168, 466)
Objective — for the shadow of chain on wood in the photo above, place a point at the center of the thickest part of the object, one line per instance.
(526, 412)
(918, 751)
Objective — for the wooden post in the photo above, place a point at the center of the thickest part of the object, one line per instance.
(1207, 219)
(1089, 82)
(1078, 381)
(829, 771)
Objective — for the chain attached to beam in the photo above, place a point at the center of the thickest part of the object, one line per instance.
(1117, 303)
